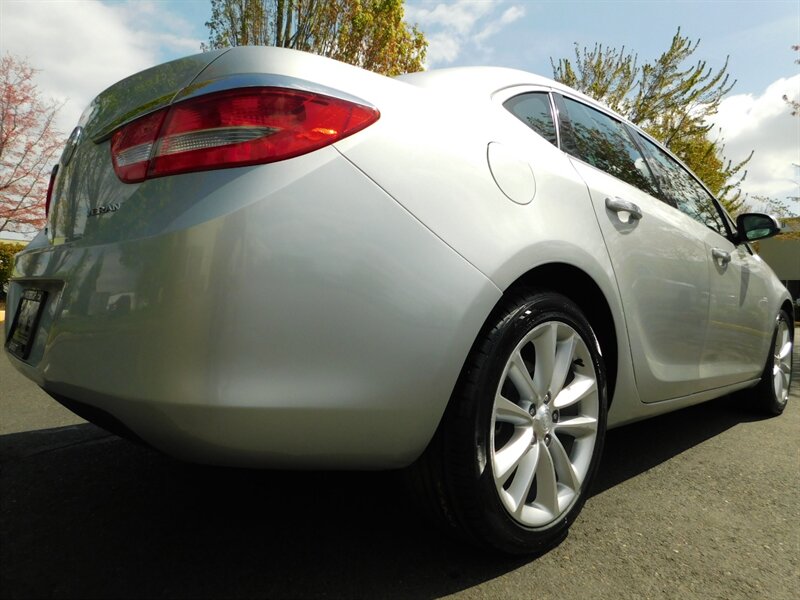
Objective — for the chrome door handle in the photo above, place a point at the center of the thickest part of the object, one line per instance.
(723, 257)
(619, 205)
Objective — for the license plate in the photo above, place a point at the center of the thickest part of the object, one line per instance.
(23, 329)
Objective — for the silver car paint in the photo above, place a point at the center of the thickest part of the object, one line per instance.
(280, 333)
(317, 312)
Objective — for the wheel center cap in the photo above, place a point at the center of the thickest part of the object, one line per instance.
(545, 417)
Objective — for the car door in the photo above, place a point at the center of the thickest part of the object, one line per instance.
(660, 256)
(741, 320)
(740, 323)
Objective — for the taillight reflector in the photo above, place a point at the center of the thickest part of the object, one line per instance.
(234, 128)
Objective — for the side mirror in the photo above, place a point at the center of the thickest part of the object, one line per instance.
(756, 226)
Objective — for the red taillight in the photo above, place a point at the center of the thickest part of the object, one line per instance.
(132, 146)
(53, 174)
(233, 129)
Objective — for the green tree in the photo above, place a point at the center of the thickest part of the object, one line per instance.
(671, 101)
(7, 253)
(366, 33)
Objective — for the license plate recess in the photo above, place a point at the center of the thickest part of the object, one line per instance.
(26, 321)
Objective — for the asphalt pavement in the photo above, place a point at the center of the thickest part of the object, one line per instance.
(701, 503)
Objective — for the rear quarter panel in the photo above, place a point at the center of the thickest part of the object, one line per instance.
(429, 151)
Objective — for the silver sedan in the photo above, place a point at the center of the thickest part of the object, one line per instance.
(260, 257)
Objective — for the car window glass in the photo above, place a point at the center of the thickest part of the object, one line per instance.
(682, 190)
(533, 109)
(604, 143)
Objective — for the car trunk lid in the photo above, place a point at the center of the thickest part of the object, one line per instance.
(87, 191)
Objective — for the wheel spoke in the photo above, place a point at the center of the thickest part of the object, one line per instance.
(563, 466)
(565, 350)
(506, 411)
(577, 427)
(781, 376)
(545, 345)
(785, 352)
(510, 455)
(523, 478)
(786, 380)
(546, 485)
(521, 378)
(580, 387)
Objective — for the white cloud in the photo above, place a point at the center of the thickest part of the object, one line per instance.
(451, 26)
(510, 15)
(763, 123)
(83, 46)
(458, 17)
(442, 48)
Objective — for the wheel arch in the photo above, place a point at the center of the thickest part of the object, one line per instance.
(579, 287)
(789, 310)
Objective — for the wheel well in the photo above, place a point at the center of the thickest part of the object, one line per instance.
(789, 310)
(583, 291)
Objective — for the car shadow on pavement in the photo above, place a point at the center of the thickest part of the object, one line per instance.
(638, 447)
(86, 514)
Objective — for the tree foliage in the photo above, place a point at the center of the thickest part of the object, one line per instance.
(366, 33)
(7, 253)
(671, 101)
(28, 145)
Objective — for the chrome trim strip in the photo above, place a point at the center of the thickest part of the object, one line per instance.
(245, 80)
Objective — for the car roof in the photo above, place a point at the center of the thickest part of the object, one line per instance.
(486, 81)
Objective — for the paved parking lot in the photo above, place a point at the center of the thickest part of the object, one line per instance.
(702, 503)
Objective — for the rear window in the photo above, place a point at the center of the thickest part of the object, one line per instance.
(533, 109)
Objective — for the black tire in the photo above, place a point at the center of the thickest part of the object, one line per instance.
(464, 472)
(769, 397)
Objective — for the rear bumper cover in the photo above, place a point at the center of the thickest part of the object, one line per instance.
(320, 325)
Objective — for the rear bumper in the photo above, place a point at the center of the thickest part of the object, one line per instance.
(320, 325)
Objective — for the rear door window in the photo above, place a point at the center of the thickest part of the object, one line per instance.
(603, 142)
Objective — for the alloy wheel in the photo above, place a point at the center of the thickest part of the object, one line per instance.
(544, 424)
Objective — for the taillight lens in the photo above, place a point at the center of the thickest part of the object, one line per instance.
(50, 185)
(132, 146)
(233, 129)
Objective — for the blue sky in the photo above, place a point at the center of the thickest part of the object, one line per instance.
(757, 35)
(82, 46)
